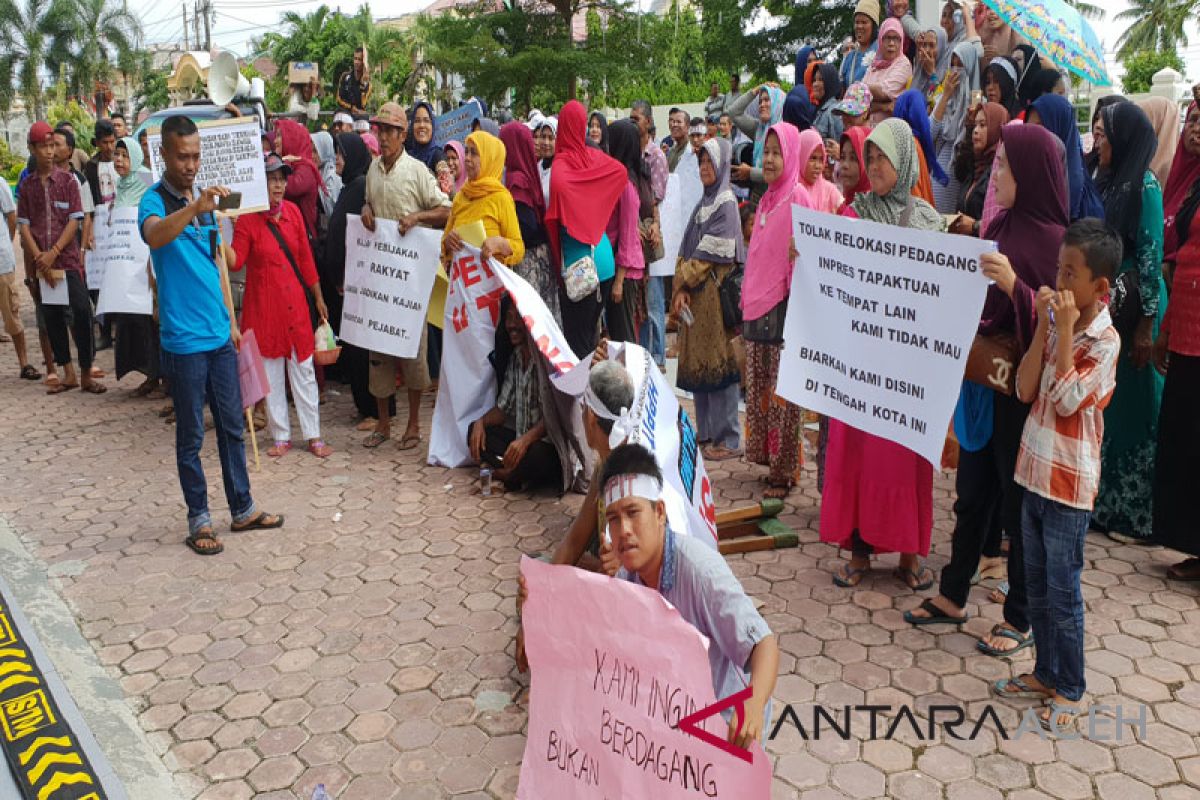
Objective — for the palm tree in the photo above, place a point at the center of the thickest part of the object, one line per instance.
(99, 33)
(1156, 25)
(26, 31)
(1086, 9)
(300, 34)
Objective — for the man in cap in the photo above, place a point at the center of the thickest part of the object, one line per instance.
(342, 123)
(200, 334)
(49, 213)
(400, 191)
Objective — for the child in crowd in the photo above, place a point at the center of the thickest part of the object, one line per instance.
(1068, 374)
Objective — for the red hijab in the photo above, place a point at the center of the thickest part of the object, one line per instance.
(521, 174)
(305, 183)
(1185, 171)
(858, 140)
(585, 183)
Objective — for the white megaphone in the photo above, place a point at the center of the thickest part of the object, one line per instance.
(225, 80)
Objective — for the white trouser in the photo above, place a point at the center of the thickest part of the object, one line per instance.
(304, 394)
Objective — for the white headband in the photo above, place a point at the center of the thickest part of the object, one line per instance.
(633, 485)
(623, 423)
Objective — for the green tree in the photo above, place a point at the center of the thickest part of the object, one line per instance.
(64, 108)
(99, 33)
(1156, 25)
(153, 94)
(1087, 10)
(27, 28)
(1140, 68)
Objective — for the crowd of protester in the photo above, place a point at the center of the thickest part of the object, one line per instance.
(957, 127)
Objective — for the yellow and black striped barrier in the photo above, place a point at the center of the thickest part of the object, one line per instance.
(43, 752)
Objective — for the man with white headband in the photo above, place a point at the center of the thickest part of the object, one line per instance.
(695, 579)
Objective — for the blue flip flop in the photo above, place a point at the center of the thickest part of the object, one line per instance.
(1024, 690)
(1023, 640)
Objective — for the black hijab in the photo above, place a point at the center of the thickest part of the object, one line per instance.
(1134, 143)
(625, 145)
(1002, 75)
(833, 84)
(596, 115)
(1091, 161)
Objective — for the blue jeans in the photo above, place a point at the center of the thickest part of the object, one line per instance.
(195, 377)
(652, 333)
(1053, 536)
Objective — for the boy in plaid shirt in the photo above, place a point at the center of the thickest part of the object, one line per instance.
(1069, 374)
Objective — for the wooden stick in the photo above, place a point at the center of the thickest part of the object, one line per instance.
(253, 437)
(764, 508)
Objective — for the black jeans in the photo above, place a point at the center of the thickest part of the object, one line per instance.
(539, 467)
(616, 316)
(80, 309)
(987, 495)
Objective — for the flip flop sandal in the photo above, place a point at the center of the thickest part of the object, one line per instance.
(320, 449)
(720, 453)
(845, 576)
(28, 373)
(1023, 691)
(59, 388)
(1002, 590)
(95, 388)
(1023, 640)
(1049, 721)
(204, 535)
(936, 616)
(279, 449)
(374, 440)
(1185, 571)
(409, 442)
(257, 523)
(365, 425)
(912, 578)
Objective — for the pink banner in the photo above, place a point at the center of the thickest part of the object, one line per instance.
(614, 668)
(252, 374)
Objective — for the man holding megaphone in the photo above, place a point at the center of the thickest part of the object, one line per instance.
(200, 334)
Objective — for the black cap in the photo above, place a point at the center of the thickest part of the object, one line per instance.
(272, 162)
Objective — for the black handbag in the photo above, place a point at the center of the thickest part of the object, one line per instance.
(313, 317)
(1125, 305)
(730, 292)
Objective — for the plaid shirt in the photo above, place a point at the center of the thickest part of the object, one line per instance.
(46, 207)
(1060, 446)
(519, 397)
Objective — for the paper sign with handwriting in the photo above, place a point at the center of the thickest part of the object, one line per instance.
(388, 281)
(230, 155)
(606, 697)
(879, 324)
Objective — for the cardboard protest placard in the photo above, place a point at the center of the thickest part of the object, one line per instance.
(456, 125)
(120, 259)
(879, 325)
(388, 281)
(230, 155)
(606, 697)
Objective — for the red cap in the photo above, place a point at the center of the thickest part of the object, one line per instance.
(40, 132)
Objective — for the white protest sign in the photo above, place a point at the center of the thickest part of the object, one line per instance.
(122, 257)
(879, 324)
(388, 280)
(684, 190)
(468, 383)
(230, 155)
(54, 295)
(607, 697)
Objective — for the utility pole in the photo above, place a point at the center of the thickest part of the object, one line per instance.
(207, 31)
(185, 30)
(196, 24)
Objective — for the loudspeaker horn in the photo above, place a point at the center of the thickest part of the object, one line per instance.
(225, 80)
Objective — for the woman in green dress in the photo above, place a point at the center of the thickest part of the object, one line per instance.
(1126, 143)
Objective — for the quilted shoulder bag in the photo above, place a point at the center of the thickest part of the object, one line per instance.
(580, 278)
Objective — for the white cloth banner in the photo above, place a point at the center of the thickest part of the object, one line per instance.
(467, 389)
(121, 258)
(230, 155)
(879, 325)
(388, 280)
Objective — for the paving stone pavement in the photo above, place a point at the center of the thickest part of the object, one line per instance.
(368, 645)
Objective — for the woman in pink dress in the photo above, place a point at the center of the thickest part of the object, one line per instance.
(878, 495)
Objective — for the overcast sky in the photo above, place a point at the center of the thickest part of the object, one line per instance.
(238, 21)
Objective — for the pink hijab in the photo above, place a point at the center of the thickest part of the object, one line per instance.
(768, 268)
(372, 144)
(890, 25)
(821, 195)
(461, 177)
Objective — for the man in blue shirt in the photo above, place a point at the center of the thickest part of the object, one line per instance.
(692, 577)
(200, 335)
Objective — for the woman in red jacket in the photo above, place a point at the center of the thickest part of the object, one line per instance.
(273, 247)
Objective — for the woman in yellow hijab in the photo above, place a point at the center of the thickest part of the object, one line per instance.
(483, 198)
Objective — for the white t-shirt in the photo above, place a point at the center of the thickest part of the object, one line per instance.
(8, 259)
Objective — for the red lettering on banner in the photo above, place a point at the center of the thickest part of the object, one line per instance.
(491, 301)
(458, 316)
(707, 509)
(549, 351)
(470, 272)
